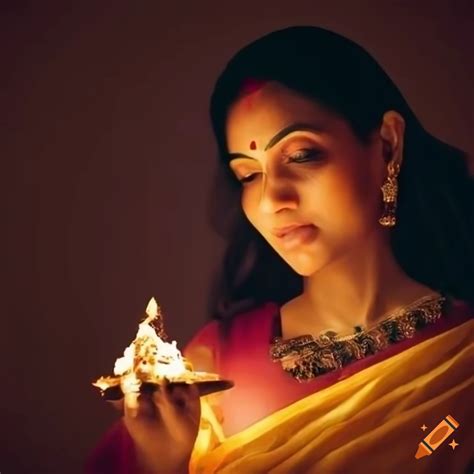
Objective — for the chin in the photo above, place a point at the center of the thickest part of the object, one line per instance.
(305, 265)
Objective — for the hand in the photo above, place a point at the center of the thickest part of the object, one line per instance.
(164, 426)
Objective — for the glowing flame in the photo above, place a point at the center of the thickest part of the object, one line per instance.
(148, 354)
(151, 359)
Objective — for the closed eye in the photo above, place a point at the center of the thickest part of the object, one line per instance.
(304, 156)
(247, 178)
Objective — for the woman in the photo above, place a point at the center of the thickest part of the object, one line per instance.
(344, 309)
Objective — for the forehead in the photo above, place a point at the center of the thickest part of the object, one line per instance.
(257, 116)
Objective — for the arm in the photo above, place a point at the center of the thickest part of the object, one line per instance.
(115, 451)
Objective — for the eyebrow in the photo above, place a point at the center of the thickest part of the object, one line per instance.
(295, 127)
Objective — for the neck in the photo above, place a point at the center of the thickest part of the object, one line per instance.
(358, 289)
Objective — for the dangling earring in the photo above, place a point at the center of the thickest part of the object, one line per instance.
(390, 193)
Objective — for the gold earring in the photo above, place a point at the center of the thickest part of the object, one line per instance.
(390, 193)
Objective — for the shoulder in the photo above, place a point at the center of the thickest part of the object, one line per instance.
(252, 323)
(203, 348)
(206, 346)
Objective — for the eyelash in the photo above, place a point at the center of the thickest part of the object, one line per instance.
(301, 156)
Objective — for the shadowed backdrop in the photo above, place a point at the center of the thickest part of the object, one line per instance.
(107, 160)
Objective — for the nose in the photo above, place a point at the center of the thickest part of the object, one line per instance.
(276, 194)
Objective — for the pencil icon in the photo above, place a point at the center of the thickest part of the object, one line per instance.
(436, 437)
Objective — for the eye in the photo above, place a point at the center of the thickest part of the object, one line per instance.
(303, 156)
(248, 178)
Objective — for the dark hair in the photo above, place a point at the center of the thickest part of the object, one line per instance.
(433, 238)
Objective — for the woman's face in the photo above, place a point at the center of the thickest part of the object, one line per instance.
(301, 165)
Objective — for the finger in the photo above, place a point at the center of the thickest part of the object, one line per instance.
(178, 395)
(182, 395)
(137, 404)
(179, 406)
(193, 402)
(186, 396)
(162, 396)
(130, 404)
(165, 407)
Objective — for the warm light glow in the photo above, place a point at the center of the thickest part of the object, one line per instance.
(151, 359)
(148, 355)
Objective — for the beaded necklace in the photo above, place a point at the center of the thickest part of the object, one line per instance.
(305, 357)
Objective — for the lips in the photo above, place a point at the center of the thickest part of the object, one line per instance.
(295, 236)
(282, 231)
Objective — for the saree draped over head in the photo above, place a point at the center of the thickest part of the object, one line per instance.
(369, 416)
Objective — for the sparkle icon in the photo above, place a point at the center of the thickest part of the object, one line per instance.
(436, 437)
(453, 444)
(424, 427)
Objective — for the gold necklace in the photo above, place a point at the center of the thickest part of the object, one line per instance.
(305, 357)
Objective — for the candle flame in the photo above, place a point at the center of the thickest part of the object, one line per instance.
(149, 358)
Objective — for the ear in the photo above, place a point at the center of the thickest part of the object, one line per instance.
(392, 132)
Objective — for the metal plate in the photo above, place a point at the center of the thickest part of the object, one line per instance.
(206, 387)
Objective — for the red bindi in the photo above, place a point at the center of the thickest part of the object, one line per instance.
(253, 145)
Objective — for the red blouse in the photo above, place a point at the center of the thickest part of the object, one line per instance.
(261, 386)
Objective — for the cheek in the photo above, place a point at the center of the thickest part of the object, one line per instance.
(351, 201)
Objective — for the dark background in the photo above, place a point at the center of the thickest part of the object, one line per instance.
(107, 158)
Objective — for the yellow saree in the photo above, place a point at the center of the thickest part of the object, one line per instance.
(370, 422)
